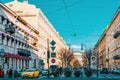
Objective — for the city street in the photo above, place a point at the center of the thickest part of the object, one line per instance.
(60, 39)
(101, 77)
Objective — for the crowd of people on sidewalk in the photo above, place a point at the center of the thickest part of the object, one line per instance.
(1, 73)
(9, 73)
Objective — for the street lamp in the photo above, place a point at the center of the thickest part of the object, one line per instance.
(82, 48)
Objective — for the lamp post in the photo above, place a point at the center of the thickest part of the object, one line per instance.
(83, 45)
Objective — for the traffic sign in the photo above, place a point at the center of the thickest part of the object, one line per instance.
(53, 54)
(53, 48)
(52, 42)
(53, 60)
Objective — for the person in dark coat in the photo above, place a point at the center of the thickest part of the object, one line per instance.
(1, 73)
(10, 73)
(60, 70)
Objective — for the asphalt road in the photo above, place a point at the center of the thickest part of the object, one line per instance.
(101, 77)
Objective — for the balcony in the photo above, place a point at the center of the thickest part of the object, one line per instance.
(10, 29)
(41, 62)
(116, 57)
(116, 34)
(24, 52)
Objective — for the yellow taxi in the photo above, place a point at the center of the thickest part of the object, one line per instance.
(30, 73)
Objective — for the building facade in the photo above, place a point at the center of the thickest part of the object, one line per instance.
(38, 21)
(16, 48)
(109, 44)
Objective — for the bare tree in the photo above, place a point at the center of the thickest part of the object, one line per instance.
(88, 54)
(66, 56)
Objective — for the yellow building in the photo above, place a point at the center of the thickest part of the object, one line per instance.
(111, 43)
(101, 50)
(39, 22)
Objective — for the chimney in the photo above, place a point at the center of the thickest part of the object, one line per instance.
(25, 1)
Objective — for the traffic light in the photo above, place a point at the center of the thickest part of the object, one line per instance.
(93, 58)
(48, 54)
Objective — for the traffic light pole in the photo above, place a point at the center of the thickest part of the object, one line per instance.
(48, 56)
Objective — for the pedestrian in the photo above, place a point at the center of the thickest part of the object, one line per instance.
(1, 73)
(60, 70)
(10, 73)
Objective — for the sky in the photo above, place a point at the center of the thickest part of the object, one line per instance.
(78, 21)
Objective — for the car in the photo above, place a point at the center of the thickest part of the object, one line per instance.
(117, 71)
(45, 73)
(110, 70)
(19, 73)
(30, 73)
(104, 71)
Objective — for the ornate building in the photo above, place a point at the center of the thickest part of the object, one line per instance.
(109, 43)
(16, 35)
(39, 22)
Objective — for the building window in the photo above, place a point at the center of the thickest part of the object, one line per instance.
(5, 22)
(3, 37)
(0, 38)
(19, 63)
(1, 19)
(16, 63)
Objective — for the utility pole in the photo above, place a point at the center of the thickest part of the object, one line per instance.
(48, 56)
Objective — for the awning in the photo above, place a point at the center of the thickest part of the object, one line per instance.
(16, 56)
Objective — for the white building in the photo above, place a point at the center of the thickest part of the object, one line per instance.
(37, 19)
(16, 37)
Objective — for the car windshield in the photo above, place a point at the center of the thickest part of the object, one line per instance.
(29, 70)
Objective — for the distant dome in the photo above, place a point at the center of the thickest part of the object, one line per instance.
(78, 55)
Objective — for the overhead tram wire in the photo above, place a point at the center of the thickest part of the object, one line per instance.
(62, 8)
(68, 13)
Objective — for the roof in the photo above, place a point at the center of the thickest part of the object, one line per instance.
(18, 17)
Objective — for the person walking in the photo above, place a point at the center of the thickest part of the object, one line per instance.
(10, 73)
(1, 73)
(60, 70)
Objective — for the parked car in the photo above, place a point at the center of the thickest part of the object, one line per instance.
(110, 70)
(30, 73)
(116, 71)
(18, 73)
(45, 73)
(104, 71)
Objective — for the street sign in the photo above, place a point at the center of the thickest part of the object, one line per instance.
(53, 54)
(53, 60)
(53, 48)
(52, 42)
